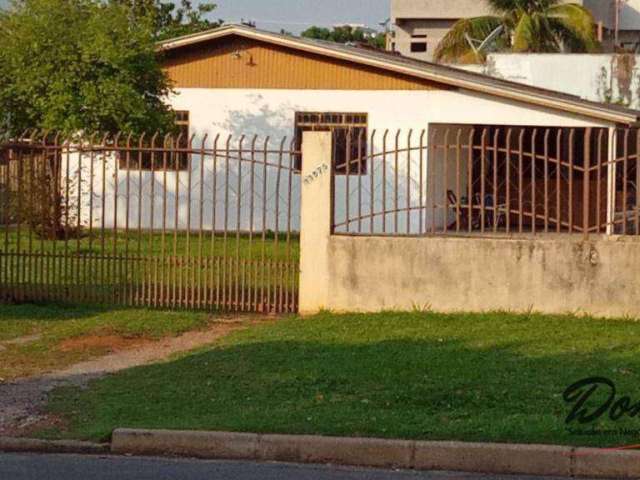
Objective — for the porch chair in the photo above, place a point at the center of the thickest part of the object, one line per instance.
(461, 210)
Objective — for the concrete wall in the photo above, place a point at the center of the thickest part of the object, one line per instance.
(601, 78)
(551, 274)
(435, 30)
(407, 9)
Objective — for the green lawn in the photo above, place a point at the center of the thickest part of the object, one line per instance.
(494, 377)
(144, 268)
(52, 325)
(146, 243)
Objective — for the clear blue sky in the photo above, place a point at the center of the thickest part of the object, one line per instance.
(297, 15)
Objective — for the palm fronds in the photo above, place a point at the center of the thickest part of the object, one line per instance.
(455, 45)
(536, 26)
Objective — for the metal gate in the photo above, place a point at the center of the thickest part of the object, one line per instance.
(205, 222)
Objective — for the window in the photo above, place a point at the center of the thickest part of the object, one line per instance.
(349, 138)
(148, 160)
(418, 43)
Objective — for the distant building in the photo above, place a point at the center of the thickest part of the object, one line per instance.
(419, 25)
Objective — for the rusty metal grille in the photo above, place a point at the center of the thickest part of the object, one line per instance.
(345, 127)
(113, 220)
(491, 180)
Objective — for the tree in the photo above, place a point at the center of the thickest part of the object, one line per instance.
(346, 34)
(173, 20)
(541, 26)
(73, 66)
(80, 65)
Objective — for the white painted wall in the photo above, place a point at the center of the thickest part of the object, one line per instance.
(598, 78)
(271, 113)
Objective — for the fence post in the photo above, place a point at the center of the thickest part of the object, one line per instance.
(316, 214)
(586, 178)
(611, 181)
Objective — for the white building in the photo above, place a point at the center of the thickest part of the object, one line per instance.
(419, 25)
(607, 78)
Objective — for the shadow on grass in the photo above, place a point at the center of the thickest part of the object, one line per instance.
(432, 389)
(46, 311)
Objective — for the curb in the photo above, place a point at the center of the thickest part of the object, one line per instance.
(28, 445)
(501, 459)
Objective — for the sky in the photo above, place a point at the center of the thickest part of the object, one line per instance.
(297, 15)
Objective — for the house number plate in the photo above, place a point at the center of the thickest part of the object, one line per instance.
(317, 173)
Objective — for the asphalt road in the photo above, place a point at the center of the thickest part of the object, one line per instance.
(74, 467)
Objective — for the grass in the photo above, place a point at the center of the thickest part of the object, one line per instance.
(492, 377)
(155, 244)
(53, 325)
(104, 269)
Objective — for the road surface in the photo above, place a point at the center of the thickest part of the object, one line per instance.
(75, 467)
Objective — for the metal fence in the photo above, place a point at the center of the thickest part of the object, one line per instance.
(202, 222)
(489, 180)
(213, 222)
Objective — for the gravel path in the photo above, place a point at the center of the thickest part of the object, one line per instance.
(22, 401)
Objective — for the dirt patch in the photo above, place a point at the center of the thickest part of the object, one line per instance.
(103, 343)
(22, 401)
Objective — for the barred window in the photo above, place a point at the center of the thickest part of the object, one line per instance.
(162, 156)
(349, 138)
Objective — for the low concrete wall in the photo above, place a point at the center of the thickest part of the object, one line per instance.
(548, 273)
(551, 275)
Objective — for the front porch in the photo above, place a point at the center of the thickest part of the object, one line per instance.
(477, 179)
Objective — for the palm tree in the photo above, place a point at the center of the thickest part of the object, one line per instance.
(542, 26)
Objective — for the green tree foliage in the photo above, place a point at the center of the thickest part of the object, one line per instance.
(172, 19)
(346, 34)
(540, 26)
(80, 65)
